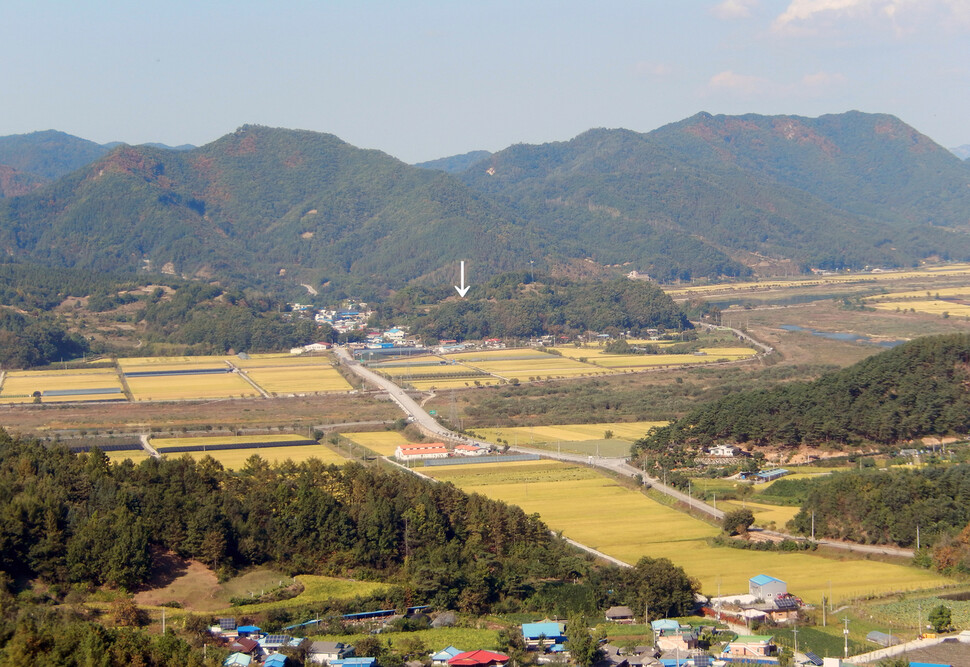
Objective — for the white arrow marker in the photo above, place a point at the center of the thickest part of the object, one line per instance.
(463, 290)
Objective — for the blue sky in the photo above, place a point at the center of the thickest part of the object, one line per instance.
(421, 80)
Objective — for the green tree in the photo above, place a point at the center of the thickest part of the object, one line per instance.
(940, 618)
(737, 522)
(583, 647)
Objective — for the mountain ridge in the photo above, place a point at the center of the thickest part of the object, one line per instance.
(708, 196)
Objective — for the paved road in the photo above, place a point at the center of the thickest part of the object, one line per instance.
(621, 466)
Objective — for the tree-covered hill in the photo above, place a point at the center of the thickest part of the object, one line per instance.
(525, 305)
(455, 163)
(711, 196)
(919, 388)
(259, 202)
(49, 154)
(842, 190)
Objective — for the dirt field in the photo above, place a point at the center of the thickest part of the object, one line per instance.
(296, 413)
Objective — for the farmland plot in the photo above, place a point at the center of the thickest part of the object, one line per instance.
(59, 386)
(626, 524)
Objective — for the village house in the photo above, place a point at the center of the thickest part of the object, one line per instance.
(766, 588)
(324, 652)
(669, 635)
(724, 451)
(441, 658)
(751, 647)
(238, 660)
(434, 450)
(619, 615)
(479, 658)
(465, 449)
(543, 634)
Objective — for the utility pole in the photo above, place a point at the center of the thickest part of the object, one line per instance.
(917, 537)
(845, 634)
(795, 633)
(813, 526)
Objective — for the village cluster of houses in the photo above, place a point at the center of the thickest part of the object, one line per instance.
(675, 644)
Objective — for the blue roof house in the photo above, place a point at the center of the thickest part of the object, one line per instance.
(766, 588)
(664, 625)
(275, 660)
(444, 655)
(353, 662)
(545, 634)
(237, 660)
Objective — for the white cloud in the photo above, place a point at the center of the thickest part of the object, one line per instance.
(750, 85)
(734, 9)
(745, 84)
(900, 15)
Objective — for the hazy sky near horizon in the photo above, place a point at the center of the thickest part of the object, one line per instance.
(421, 80)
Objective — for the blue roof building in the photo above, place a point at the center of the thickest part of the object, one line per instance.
(354, 662)
(237, 660)
(766, 588)
(275, 660)
(665, 625)
(549, 632)
(444, 655)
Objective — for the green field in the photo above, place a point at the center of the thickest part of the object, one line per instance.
(316, 588)
(626, 524)
(466, 639)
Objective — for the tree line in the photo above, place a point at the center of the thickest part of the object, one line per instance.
(523, 305)
(914, 390)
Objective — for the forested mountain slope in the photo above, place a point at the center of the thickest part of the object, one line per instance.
(919, 388)
(843, 190)
(706, 197)
(258, 201)
(49, 154)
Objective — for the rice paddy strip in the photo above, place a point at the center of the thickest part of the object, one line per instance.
(299, 379)
(168, 387)
(628, 431)
(383, 443)
(242, 440)
(929, 306)
(626, 524)
(61, 386)
(235, 459)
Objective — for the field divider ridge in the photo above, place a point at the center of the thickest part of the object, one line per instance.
(245, 376)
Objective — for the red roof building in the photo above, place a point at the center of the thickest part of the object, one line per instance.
(431, 450)
(479, 658)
